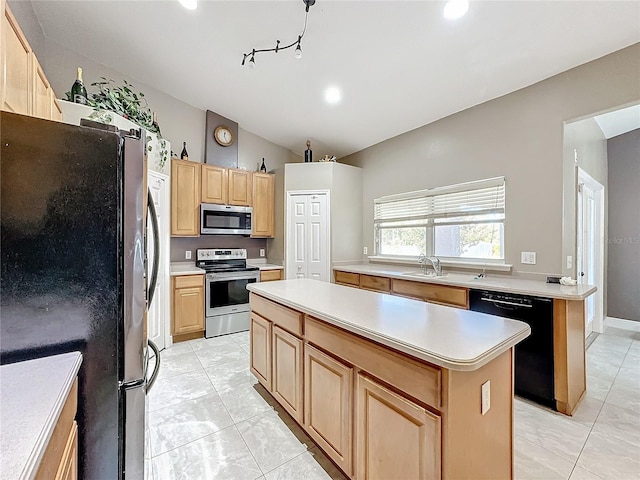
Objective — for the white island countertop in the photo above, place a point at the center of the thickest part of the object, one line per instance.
(449, 337)
(31, 398)
(495, 283)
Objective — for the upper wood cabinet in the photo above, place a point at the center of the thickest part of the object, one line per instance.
(23, 85)
(41, 89)
(16, 68)
(263, 205)
(214, 184)
(185, 198)
(239, 187)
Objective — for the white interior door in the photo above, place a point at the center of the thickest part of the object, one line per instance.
(590, 240)
(157, 316)
(307, 254)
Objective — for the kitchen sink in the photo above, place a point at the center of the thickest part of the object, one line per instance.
(423, 275)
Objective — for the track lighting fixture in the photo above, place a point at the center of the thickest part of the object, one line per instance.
(277, 48)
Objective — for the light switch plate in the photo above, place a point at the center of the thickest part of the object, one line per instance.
(364, 250)
(262, 252)
(486, 397)
(569, 261)
(187, 254)
(528, 258)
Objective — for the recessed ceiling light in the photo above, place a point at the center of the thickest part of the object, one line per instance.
(332, 95)
(455, 9)
(189, 4)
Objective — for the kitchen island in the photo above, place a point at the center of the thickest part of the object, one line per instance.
(389, 387)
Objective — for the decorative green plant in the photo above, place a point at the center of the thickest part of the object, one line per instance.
(123, 101)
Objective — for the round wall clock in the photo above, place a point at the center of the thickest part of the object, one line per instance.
(223, 135)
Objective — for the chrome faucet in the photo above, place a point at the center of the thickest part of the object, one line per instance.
(434, 261)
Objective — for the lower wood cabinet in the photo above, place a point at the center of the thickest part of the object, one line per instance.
(187, 305)
(429, 292)
(328, 400)
(260, 362)
(60, 459)
(286, 382)
(395, 438)
(375, 283)
(271, 275)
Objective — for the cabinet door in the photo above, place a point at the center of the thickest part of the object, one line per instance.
(68, 469)
(263, 205)
(214, 184)
(56, 110)
(395, 438)
(260, 335)
(16, 67)
(239, 187)
(41, 89)
(287, 372)
(188, 309)
(185, 198)
(328, 400)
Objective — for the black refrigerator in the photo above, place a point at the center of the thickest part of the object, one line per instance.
(73, 275)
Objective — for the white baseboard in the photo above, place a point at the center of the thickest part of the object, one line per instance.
(622, 323)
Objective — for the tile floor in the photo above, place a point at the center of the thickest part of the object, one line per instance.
(210, 419)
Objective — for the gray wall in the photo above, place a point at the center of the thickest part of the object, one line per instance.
(623, 292)
(520, 136)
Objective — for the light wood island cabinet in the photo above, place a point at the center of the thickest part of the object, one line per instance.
(185, 198)
(187, 319)
(60, 459)
(377, 412)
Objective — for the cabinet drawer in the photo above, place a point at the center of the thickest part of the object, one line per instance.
(285, 317)
(270, 275)
(445, 295)
(347, 277)
(185, 281)
(416, 379)
(377, 284)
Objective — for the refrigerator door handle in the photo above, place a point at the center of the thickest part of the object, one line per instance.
(156, 368)
(153, 281)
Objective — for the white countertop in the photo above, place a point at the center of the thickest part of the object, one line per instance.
(265, 266)
(449, 337)
(491, 282)
(32, 396)
(185, 268)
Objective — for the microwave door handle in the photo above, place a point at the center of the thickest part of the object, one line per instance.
(153, 282)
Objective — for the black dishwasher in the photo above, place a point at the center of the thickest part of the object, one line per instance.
(534, 355)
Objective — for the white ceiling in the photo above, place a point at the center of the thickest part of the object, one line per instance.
(620, 121)
(399, 64)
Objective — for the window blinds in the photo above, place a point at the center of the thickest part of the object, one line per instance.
(464, 199)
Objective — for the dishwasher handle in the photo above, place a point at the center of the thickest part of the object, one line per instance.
(505, 302)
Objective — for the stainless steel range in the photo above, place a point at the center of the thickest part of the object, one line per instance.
(226, 295)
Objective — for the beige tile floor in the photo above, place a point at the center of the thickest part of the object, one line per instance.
(209, 419)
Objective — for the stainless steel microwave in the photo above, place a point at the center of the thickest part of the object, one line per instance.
(225, 219)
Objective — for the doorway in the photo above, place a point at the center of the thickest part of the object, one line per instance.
(307, 235)
(590, 247)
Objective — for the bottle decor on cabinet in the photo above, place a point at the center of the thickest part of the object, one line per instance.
(263, 168)
(78, 92)
(184, 155)
(307, 153)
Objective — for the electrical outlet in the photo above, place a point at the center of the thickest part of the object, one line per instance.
(364, 250)
(486, 397)
(187, 254)
(569, 261)
(528, 258)
(262, 252)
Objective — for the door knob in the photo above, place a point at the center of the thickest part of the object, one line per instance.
(582, 274)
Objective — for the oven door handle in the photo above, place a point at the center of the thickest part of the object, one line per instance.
(153, 281)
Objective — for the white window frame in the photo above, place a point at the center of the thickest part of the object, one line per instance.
(427, 212)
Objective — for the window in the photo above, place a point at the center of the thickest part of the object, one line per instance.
(464, 221)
